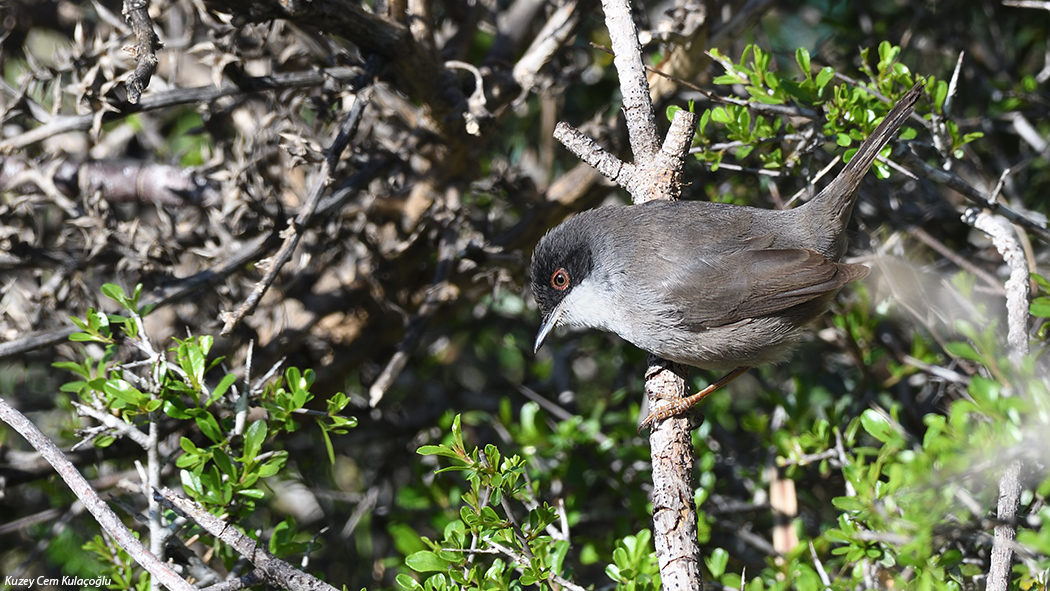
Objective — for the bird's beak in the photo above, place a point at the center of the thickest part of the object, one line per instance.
(548, 324)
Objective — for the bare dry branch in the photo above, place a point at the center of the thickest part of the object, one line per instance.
(270, 569)
(145, 48)
(95, 505)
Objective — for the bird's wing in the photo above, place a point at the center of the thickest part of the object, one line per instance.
(749, 283)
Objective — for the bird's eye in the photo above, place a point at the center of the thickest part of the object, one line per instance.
(560, 280)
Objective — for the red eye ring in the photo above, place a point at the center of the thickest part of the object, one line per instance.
(560, 280)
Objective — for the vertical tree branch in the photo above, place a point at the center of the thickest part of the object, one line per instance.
(655, 174)
(158, 534)
(627, 57)
(1006, 530)
(1004, 237)
(674, 504)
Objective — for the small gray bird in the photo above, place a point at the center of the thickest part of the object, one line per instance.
(711, 285)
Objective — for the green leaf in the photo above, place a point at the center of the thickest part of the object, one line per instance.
(720, 115)
(407, 582)
(328, 445)
(964, 351)
(205, 343)
(878, 426)
(96, 320)
(175, 409)
(716, 562)
(224, 384)
(341, 424)
(824, 76)
(802, 58)
(851, 504)
(293, 377)
(188, 446)
(671, 110)
(425, 561)
(983, 389)
(271, 467)
(1041, 281)
(224, 464)
(76, 386)
(279, 536)
(82, 325)
(210, 427)
(191, 483)
(457, 434)
(254, 437)
(337, 403)
(438, 450)
(299, 398)
(116, 293)
(1040, 307)
(193, 363)
(122, 390)
(76, 368)
(728, 79)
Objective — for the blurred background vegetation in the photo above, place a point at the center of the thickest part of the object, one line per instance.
(870, 460)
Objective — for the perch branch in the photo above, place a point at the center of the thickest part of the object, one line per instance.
(655, 174)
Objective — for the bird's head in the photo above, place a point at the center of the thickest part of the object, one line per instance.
(561, 262)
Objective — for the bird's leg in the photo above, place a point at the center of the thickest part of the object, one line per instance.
(680, 405)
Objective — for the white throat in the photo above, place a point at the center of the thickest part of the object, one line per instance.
(591, 305)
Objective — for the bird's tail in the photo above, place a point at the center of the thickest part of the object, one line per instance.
(837, 197)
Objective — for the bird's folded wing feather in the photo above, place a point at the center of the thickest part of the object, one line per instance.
(749, 283)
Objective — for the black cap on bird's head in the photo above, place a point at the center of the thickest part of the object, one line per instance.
(560, 262)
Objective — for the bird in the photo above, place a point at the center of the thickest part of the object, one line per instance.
(710, 285)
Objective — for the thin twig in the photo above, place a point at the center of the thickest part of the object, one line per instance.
(952, 181)
(118, 427)
(294, 233)
(172, 98)
(521, 561)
